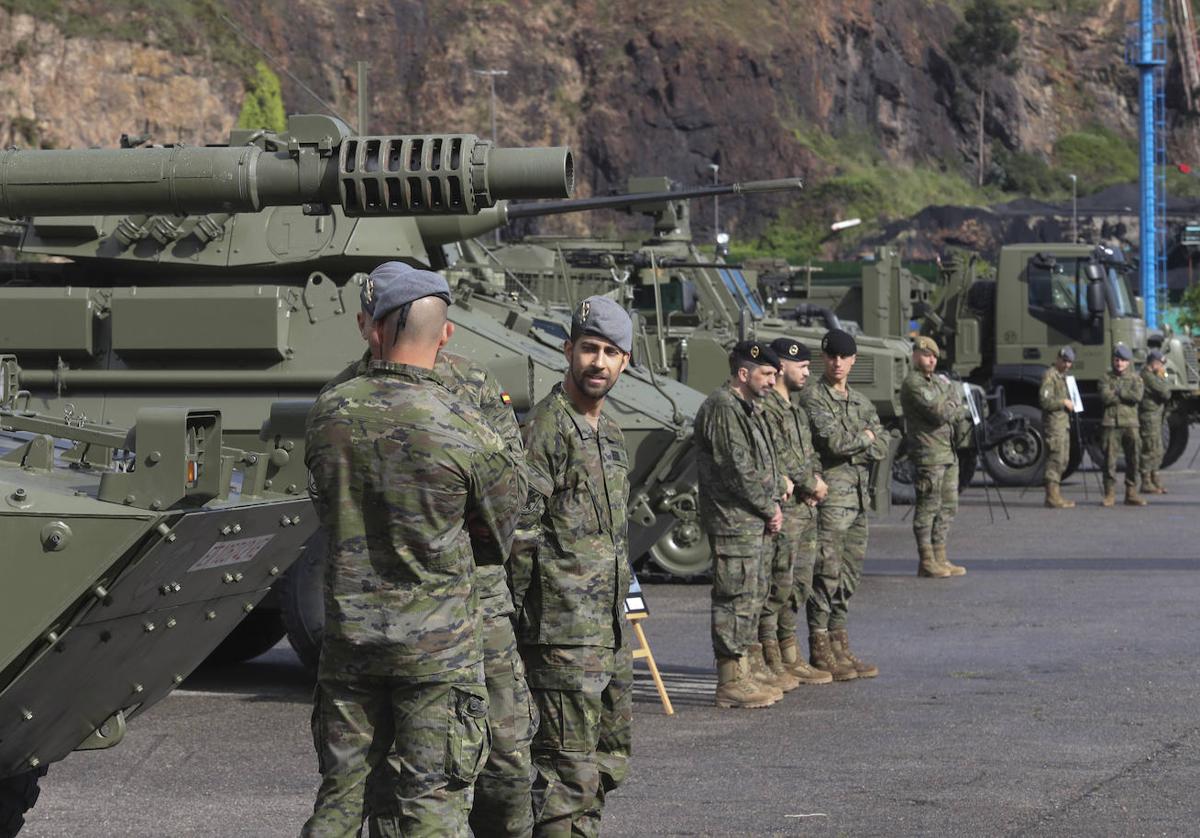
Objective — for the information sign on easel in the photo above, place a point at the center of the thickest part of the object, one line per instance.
(636, 611)
(1073, 390)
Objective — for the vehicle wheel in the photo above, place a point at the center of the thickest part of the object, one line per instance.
(1175, 436)
(1021, 460)
(17, 796)
(904, 481)
(258, 633)
(683, 550)
(302, 599)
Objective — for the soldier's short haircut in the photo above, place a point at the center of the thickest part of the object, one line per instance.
(426, 318)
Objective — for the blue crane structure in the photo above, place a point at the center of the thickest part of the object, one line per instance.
(1146, 49)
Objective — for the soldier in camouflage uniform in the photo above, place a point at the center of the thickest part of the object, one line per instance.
(570, 576)
(794, 547)
(848, 437)
(1057, 409)
(1121, 391)
(936, 418)
(1150, 419)
(741, 488)
(414, 489)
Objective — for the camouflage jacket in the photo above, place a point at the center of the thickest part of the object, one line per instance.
(787, 427)
(934, 414)
(475, 384)
(1156, 394)
(839, 426)
(1053, 390)
(412, 485)
(570, 565)
(740, 480)
(1120, 395)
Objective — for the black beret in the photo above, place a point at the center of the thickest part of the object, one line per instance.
(838, 344)
(791, 350)
(753, 352)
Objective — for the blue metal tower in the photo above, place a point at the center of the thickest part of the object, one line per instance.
(1147, 50)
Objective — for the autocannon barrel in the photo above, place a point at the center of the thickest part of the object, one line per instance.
(636, 199)
(316, 163)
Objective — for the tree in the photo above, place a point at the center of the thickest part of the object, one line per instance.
(983, 46)
(263, 105)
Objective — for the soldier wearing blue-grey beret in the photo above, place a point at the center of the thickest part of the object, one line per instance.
(1121, 392)
(570, 574)
(1057, 410)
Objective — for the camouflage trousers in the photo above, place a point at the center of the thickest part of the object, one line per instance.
(841, 547)
(1117, 441)
(503, 806)
(798, 542)
(1058, 449)
(740, 578)
(584, 696)
(937, 503)
(1150, 433)
(433, 737)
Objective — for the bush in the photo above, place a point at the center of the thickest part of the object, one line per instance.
(263, 105)
(1025, 174)
(1098, 156)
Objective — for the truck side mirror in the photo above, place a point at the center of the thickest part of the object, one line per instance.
(1093, 272)
(1096, 298)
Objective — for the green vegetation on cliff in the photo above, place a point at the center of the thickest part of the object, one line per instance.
(263, 105)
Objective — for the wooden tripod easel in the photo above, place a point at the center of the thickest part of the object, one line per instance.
(642, 652)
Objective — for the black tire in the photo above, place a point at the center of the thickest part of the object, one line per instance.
(683, 550)
(1175, 436)
(17, 796)
(1020, 461)
(302, 599)
(256, 634)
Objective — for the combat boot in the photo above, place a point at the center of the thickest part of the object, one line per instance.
(1132, 498)
(735, 689)
(839, 639)
(939, 555)
(781, 682)
(824, 659)
(927, 565)
(1054, 498)
(1159, 488)
(774, 661)
(1110, 494)
(789, 651)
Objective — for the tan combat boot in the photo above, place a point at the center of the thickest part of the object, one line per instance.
(1132, 498)
(1159, 488)
(780, 681)
(735, 689)
(840, 640)
(927, 565)
(1054, 498)
(789, 651)
(1110, 494)
(1148, 484)
(939, 555)
(824, 659)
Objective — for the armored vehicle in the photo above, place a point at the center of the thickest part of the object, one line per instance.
(128, 556)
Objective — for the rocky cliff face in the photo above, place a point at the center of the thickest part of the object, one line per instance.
(635, 88)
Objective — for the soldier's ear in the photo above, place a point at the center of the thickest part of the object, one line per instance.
(447, 333)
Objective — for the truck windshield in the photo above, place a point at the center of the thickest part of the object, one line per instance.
(1057, 288)
(1119, 296)
(735, 281)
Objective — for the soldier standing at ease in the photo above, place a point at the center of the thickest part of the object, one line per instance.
(793, 548)
(1120, 392)
(1057, 408)
(741, 489)
(414, 489)
(935, 415)
(570, 576)
(1150, 419)
(848, 437)
(502, 805)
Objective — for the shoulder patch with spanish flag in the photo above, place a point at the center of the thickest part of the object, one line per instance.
(506, 398)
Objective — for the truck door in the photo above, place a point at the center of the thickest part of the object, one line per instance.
(1056, 308)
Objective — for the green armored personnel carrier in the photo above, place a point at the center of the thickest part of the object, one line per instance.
(129, 555)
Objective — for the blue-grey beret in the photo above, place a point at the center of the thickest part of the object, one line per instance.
(1155, 355)
(1123, 352)
(605, 318)
(1067, 354)
(394, 284)
(753, 352)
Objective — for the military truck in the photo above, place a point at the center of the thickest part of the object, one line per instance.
(129, 555)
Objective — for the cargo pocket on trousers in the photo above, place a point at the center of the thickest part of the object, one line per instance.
(469, 738)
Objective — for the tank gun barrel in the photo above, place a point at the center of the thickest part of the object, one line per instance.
(636, 199)
(316, 163)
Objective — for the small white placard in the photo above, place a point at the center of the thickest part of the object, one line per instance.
(975, 417)
(238, 551)
(1073, 389)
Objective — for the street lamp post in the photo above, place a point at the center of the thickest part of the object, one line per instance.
(1074, 212)
(716, 203)
(491, 77)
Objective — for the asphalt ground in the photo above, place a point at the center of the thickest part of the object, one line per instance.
(1053, 690)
